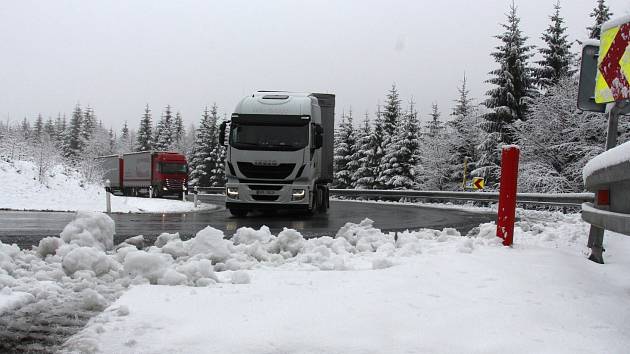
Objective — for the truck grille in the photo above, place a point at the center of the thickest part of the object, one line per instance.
(281, 171)
(174, 184)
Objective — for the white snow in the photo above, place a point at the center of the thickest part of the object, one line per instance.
(64, 190)
(428, 291)
(608, 158)
(360, 291)
(615, 22)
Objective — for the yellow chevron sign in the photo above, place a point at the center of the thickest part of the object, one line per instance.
(613, 63)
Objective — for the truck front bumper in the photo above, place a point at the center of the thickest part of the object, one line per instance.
(267, 196)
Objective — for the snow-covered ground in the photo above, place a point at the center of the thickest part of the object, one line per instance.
(359, 291)
(64, 190)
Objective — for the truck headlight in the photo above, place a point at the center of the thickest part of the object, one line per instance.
(164, 188)
(232, 192)
(298, 194)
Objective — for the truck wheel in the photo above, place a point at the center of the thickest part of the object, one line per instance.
(239, 213)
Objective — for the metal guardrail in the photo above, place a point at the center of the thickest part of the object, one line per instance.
(564, 199)
(611, 208)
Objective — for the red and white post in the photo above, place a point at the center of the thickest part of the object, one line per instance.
(507, 193)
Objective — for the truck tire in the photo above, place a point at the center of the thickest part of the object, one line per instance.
(320, 199)
(239, 213)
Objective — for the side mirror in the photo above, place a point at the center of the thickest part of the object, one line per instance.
(222, 133)
(319, 136)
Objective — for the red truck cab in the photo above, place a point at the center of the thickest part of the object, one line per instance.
(170, 173)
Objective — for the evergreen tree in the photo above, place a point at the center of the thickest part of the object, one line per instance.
(509, 101)
(363, 177)
(25, 129)
(49, 128)
(435, 126)
(88, 125)
(557, 58)
(345, 142)
(217, 155)
(60, 130)
(391, 120)
(601, 13)
(202, 166)
(179, 133)
(466, 135)
(401, 157)
(164, 131)
(38, 129)
(73, 142)
(375, 153)
(392, 112)
(144, 141)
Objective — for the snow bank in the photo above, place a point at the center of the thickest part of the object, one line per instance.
(608, 158)
(65, 190)
(396, 293)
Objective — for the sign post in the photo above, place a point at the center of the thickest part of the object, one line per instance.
(507, 193)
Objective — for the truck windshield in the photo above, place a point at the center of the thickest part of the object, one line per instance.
(269, 137)
(172, 167)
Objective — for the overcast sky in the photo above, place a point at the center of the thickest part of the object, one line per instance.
(116, 56)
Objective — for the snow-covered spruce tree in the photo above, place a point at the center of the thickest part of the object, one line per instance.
(509, 101)
(345, 143)
(60, 130)
(73, 141)
(557, 58)
(201, 164)
(179, 133)
(217, 155)
(434, 126)
(38, 128)
(465, 134)
(88, 125)
(402, 153)
(434, 170)
(363, 177)
(372, 148)
(124, 143)
(49, 128)
(391, 117)
(144, 138)
(163, 137)
(601, 13)
(26, 129)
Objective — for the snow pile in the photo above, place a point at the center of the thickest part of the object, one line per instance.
(404, 292)
(21, 190)
(90, 229)
(608, 158)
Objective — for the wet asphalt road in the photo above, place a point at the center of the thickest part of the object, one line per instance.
(27, 228)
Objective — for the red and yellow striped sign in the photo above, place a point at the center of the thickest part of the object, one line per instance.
(613, 75)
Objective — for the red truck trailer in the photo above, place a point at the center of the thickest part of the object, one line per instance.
(134, 173)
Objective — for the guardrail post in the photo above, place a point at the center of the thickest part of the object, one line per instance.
(108, 196)
(184, 189)
(195, 198)
(150, 192)
(507, 193)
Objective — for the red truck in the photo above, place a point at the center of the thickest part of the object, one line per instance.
(134, 173)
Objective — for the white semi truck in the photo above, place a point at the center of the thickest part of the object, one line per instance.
(280, 152)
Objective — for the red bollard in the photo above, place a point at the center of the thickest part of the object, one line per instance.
(507, 193)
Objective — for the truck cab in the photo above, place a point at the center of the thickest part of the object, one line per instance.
(280, 152)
